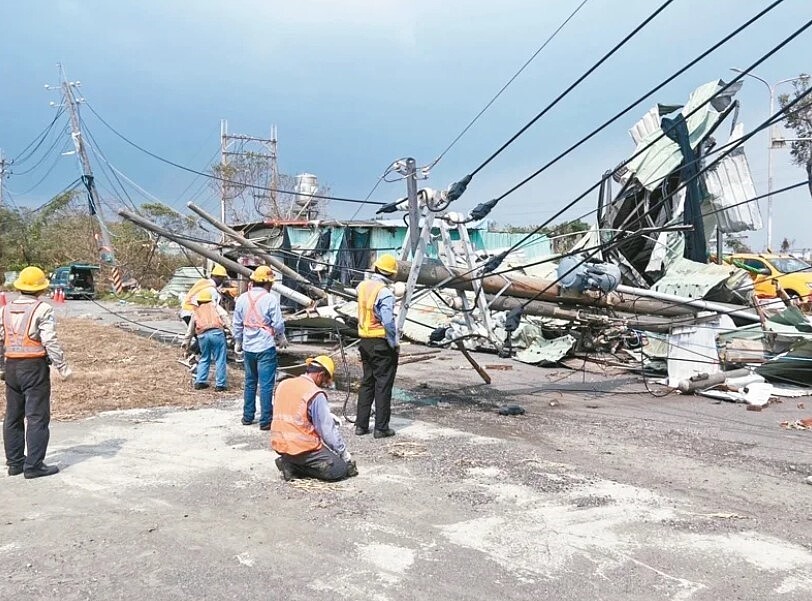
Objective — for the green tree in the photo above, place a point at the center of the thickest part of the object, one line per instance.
(799, 120)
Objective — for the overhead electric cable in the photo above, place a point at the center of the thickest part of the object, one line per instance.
(723, 89)
(38, 140)
(572, 86)
(507, 84)
(215, 177)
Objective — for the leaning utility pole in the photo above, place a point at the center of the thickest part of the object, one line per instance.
(106, 248)
(410, 172)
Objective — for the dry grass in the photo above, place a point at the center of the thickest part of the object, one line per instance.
(114, 369)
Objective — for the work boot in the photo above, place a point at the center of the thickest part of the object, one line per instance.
(201, 385)
(220, 389)
(265, 426)
(247, 422)
(15, 470)
(41, 471)
(287, 471)
(359, 431)
(384, 433)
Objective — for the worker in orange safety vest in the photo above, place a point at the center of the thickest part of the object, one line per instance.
(258, 331)
(28, 346)
(209, 323)
(304, 432)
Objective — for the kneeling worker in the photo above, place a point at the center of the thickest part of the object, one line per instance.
(208, 323)
(303, 430)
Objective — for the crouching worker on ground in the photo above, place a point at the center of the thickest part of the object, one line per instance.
(304, 432)
(208, 323)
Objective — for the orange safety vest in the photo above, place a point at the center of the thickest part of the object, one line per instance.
(253, 319)
(18, 344)
(292, 432)
(206, 318)
(369, 326)
(196, 289)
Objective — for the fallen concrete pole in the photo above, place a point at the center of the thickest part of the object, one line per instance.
(691, 302)
(630, 300)
(651, 323)
(259, 251)
(199, 249)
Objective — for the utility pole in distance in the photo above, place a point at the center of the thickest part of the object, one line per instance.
(2, 175)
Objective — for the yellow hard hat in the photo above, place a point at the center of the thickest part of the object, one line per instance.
(204, 296)
(219, 270)
(386, 264)
(262, 274)
(31, 279)
(325, 361)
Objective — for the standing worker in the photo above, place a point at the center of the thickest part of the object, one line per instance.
(29, 345)
(379, 347)
(304, 432)
(216, 278)
(209, 322)
(258, 330)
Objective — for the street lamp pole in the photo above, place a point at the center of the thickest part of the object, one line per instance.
(770, 139)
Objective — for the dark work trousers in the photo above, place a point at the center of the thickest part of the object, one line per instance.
(28, 397)
(380, 367)
(322, 464)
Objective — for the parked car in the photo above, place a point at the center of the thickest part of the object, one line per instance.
(793, 274)
(77, 280)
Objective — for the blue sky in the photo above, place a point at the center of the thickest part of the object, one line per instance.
(354, 84)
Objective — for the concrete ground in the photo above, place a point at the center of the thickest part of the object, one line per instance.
(600, 491)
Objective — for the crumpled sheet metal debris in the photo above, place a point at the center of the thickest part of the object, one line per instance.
(730, 184)
(800, 424)
(794, 366)
(542, 350)
(696, 280)
(664, 156)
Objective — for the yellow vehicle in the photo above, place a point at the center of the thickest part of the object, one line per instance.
(794, 275)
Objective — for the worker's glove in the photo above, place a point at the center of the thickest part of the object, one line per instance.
(281, 341)
(346, 456)
(65, 372)
(352, 469)
(184, 347)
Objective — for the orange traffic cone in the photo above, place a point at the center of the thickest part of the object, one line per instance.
(60, 296)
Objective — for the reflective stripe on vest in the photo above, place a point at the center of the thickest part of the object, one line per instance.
(206, 318)
(18, 344)
(196, 289)
(369, 326)
(253, 319)
(292, 432)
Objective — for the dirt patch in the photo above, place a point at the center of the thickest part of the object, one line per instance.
(114, 369)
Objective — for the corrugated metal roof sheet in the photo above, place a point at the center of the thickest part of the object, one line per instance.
(694, 280)
(181, 282)
(730, 183)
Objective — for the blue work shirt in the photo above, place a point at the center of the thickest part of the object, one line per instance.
(266, 306)
(322, 420)
(384, 310)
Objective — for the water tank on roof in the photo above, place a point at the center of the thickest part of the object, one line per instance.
(307, 185)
